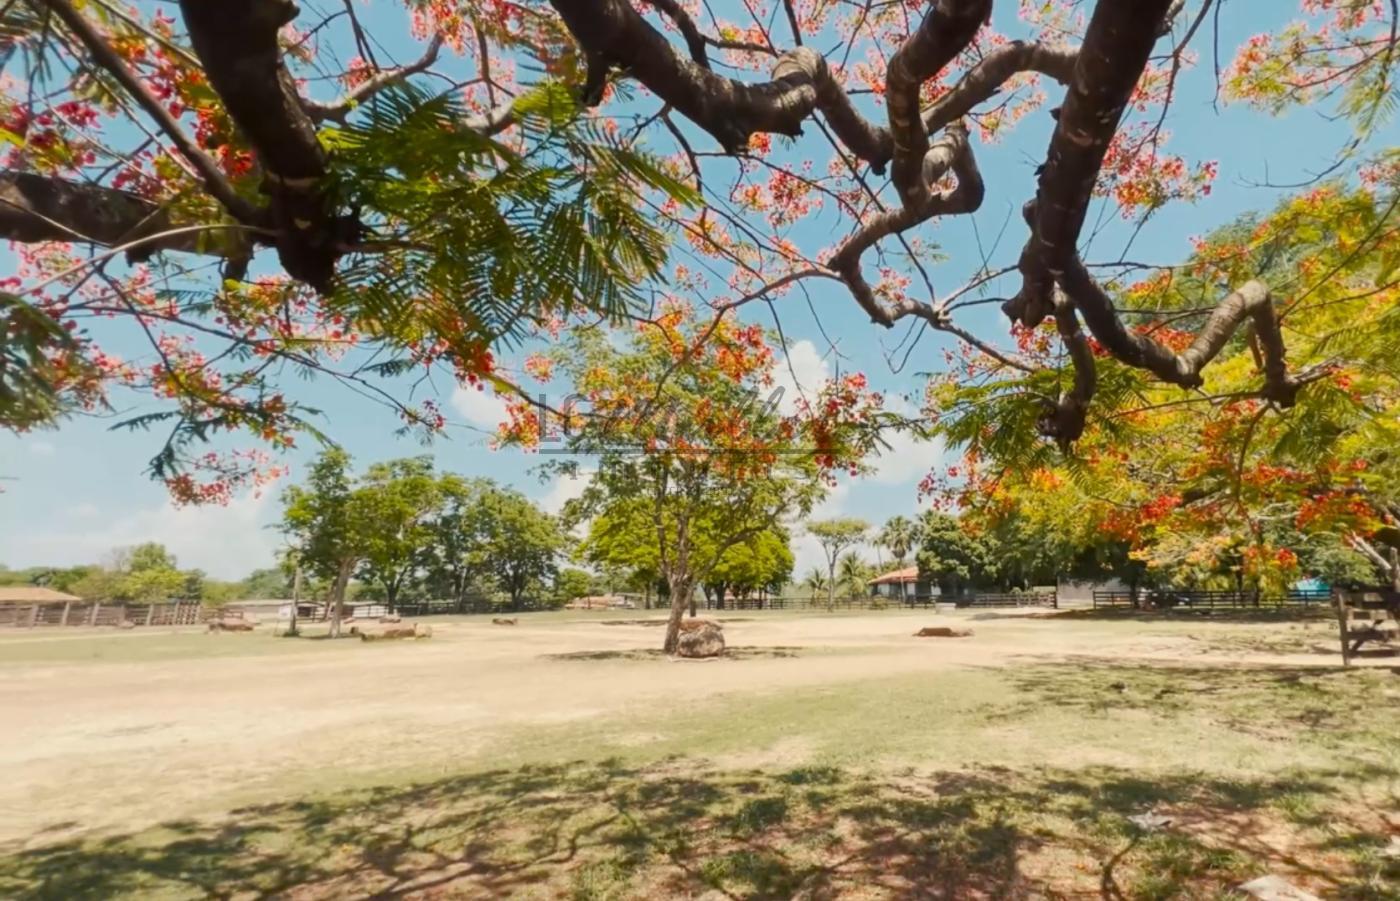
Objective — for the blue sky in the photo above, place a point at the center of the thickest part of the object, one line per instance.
(72, 494)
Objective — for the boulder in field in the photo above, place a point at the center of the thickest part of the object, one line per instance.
(700, 638)
(230, 625)
(942, 632)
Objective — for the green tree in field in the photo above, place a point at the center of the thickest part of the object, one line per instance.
(853, 575)
(682, 439)
(147, 572)
(953, 557)
(570, 583)
(524, 543)
(834, 536)
(323, 521)
(763, 561)
(815, 581)
(459, 547)
(398, 502)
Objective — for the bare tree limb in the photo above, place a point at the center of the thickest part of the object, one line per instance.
(984, 79)
(338, 110)
(612, 34)
(694, 40)
(46, 208)
(947, 28)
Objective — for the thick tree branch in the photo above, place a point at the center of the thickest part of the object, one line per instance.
(102, 53)
(983, 80)
(1065, 420)
(950, 151)
(612, 34)
(694, 40)
(337, 111)
(44, 208)
(237, 43)
(948, 28)
(1251, 301)
(1116, 47)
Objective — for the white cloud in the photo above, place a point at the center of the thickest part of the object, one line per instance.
(480, 407)
(225, 542)
(800, 374)
(564, 489)
(908, 458)
(41, 448)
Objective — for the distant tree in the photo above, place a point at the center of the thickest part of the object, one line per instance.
(853, 575)
(953, 557)
(681, 438)
(524, 545)
(322, 521)
(458, 552)
(834, 536)
(763, 561)
(397, 502)
(815, 581)
(898, 536)
(266, 584)
(572, 583)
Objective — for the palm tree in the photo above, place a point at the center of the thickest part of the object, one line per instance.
(815, 581)
(852, 575)
(898, 537)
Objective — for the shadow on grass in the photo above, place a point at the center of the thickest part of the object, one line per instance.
(733, 652)
(677, 829)
(1274, 702)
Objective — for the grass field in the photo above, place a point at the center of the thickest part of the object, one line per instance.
(832, 756)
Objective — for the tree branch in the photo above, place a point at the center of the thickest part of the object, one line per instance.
(983, 80)
(45, 208)
(1251, 301)
(694, 40)
(948, 28)
(338, 110)
(612, 34)
(237, 43)
(102, 53)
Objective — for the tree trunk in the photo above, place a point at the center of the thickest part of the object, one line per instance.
(680, 599)
(296, 601)
(342, 580)
(831, 584)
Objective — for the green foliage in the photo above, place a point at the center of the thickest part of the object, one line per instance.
(490, 241)
(33, 352)
(525, 543)
(410, 532)
(570, 583)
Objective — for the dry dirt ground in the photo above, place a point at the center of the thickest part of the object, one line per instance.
(109, 733)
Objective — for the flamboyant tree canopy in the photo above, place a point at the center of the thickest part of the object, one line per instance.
(257, 189)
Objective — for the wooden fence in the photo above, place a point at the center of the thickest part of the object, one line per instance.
(876, 602)
(1187, 601)
(85, 613)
